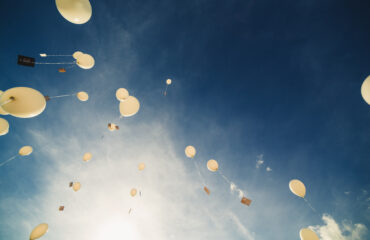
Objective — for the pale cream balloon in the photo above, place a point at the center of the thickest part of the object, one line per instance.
(141, 166)
(308, 234)
(129, 107)
(190, 151)
(133, 192)
(297, 187)
(87, 157)
(75, 11)
(76, 186)
(25, 151)
(365, 90)
(82, 96)
(77, 54)
(4, 126)
(212, 165)
(168, 81)
(39, 231)
(2, 112)
(122, 94)
(23, 102)
(85, 61)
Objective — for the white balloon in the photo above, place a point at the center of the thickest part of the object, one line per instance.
(39, 231)
(75, 11)
(168, 81)
(85, 61)
(82, 96)
(129, 107)
(23, 102)
(365, 90)
(122, 94)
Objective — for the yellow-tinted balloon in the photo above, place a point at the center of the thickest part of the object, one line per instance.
(2, 112)
(168, 81)
(25, 151)
(308, 234)
(365, 90)
(76, 186)
(129, 107)
(85, 61)
(122, 94)
(212, 165)
(23, 102)
(82, 96)
(141, 166)
(297, 187)
(75, 11)
(87, 157)
(77, 54)
(133, 192)
(39, 231)
(4, 126)
(190, 151)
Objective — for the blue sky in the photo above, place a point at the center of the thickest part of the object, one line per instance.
(250, 78)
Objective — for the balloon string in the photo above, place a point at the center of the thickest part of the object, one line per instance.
(47, 55)
(309, 205)
(233, 186)
(7, 101)
(165, 91)
(60, 96)
(6, 161)
(200, 175)
(55, 63)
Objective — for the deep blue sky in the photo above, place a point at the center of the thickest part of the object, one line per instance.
(278, 78)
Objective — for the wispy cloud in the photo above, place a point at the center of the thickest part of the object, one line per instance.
(260, 160)
(332, 230)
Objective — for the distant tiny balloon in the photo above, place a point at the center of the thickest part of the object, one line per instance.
(133, 192)
(61, 208)
(168, 81)
(25, 151)
(83, 96)
(141, 166)
(212, 165)
(76, 186)
(190, 151)
(87, 157)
